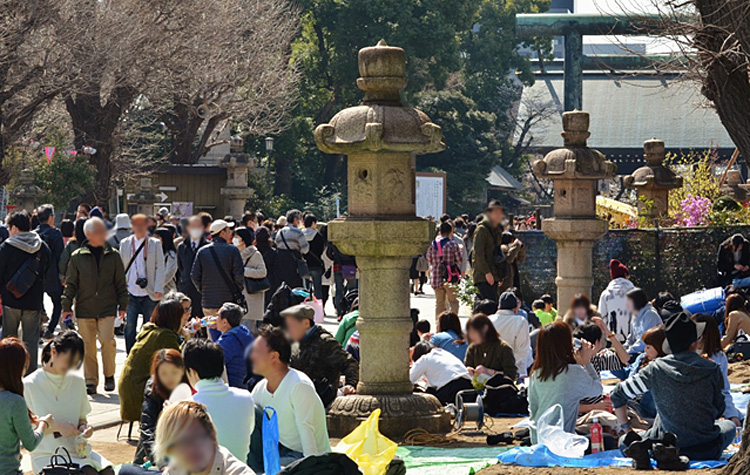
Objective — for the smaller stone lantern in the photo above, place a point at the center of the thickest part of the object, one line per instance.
(237, 190)
(26, 193)
(734, 188)
(575, 170)
(145, 199)
(653, 181)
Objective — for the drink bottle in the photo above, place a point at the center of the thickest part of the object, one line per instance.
(597, 438)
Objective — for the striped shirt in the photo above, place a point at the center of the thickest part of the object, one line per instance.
(605, 360)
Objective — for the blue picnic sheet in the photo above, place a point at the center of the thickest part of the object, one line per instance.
(540, 456)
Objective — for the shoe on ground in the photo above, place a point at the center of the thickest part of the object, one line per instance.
(639, 452)
(668, 458)
(109, 384)
(91, 389)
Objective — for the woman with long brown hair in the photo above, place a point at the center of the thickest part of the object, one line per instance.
(736, 319)
(18, 425)
(449, 335)
(487, 353)
(561, 375)
(167, 372)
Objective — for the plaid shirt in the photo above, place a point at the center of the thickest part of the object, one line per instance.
(451, 256)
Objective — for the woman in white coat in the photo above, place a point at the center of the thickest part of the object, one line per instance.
(170, 259)
(255, 268)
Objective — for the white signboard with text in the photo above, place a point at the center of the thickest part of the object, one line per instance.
(430, 195)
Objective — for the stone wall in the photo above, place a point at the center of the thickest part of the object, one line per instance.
(680, 260)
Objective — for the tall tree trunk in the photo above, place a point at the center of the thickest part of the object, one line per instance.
(283, 171)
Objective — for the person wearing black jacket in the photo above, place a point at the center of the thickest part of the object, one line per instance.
(52, 237)
(186, 252)
(26, 310)
(314, 256)
(733, 261)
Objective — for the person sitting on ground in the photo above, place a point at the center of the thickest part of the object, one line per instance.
(348, 324)
(736, 319)
(167, 372)
(487, 353)
(449, 335)
(538, 307)
(514, 330)
(561, 375)
(662, 298)
(163, 331)
(17, 424)
(234, 340)
(299, 411)
(644, 318)
(580, 312)
(549, 305)
(694, 419)
(654, 339)
(612, 305)
(604, 359)
(319, 355)
(57, 389)
(710, 347)
(187, 437)
(445, 374)
(232, 410)
(733, 261)
(423, 330)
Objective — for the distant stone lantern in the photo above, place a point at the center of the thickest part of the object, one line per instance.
(26, 194)
(237, 190)
(653, 181)
(381, 138)
(734, 187)
(575, 170)
(145, 198)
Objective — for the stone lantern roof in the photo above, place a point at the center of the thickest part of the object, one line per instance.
(654, 174)
(236, 156)
(380, 123)
(575, 160)
(734, 188)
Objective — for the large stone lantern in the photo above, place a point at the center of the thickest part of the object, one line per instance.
(653, 181)
(26, 194)
(145, 198)
(575, 170)
(237, 191)
(734, 188)
(381, 138)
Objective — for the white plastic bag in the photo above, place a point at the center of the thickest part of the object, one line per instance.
(551, 433)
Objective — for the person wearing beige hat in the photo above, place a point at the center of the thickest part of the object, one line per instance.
(319, 355)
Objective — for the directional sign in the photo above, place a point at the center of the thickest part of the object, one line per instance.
(162, 196)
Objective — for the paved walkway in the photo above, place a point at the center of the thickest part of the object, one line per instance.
(106, 406)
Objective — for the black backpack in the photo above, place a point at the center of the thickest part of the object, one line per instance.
(501, 396)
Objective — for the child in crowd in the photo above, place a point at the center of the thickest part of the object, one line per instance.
(710, 346)
(17, 424)
(446, 375)
(186, 437)
(544, 317)
(167, 372)
(561, 376)
(348, 324)
(549, 305)
(54, 389)
(449, 336)
(487, 353)
(234, 340)
(423, 330)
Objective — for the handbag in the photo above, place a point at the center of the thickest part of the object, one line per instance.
(25, 277)
(256, 286)
(302, 269)
(238, 297)
(62, 464)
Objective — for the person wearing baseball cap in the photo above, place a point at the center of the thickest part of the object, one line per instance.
(320, 356)
(687, 391)
(218, 271)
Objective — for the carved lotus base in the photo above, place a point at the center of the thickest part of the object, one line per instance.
(399, 414)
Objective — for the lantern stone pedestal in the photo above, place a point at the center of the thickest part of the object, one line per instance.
(237, 191)
(145, 198)
(26, 194)
(381, 138)
(575, 170)
(653, 181)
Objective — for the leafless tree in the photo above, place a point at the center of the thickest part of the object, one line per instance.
(236, 67)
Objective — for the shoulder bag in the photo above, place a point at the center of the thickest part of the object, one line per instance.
(256, 286)
(237, 296)
(25, 277)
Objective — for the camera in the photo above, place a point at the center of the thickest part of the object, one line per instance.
(141, 282)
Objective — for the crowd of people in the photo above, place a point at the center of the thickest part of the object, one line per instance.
(222, 326)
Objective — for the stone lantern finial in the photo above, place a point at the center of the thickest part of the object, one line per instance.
(383, 73)
(653, 181)
(575, 128)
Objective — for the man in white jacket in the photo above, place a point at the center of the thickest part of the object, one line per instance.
(143, 259)
(513, 329)
(612, 306)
